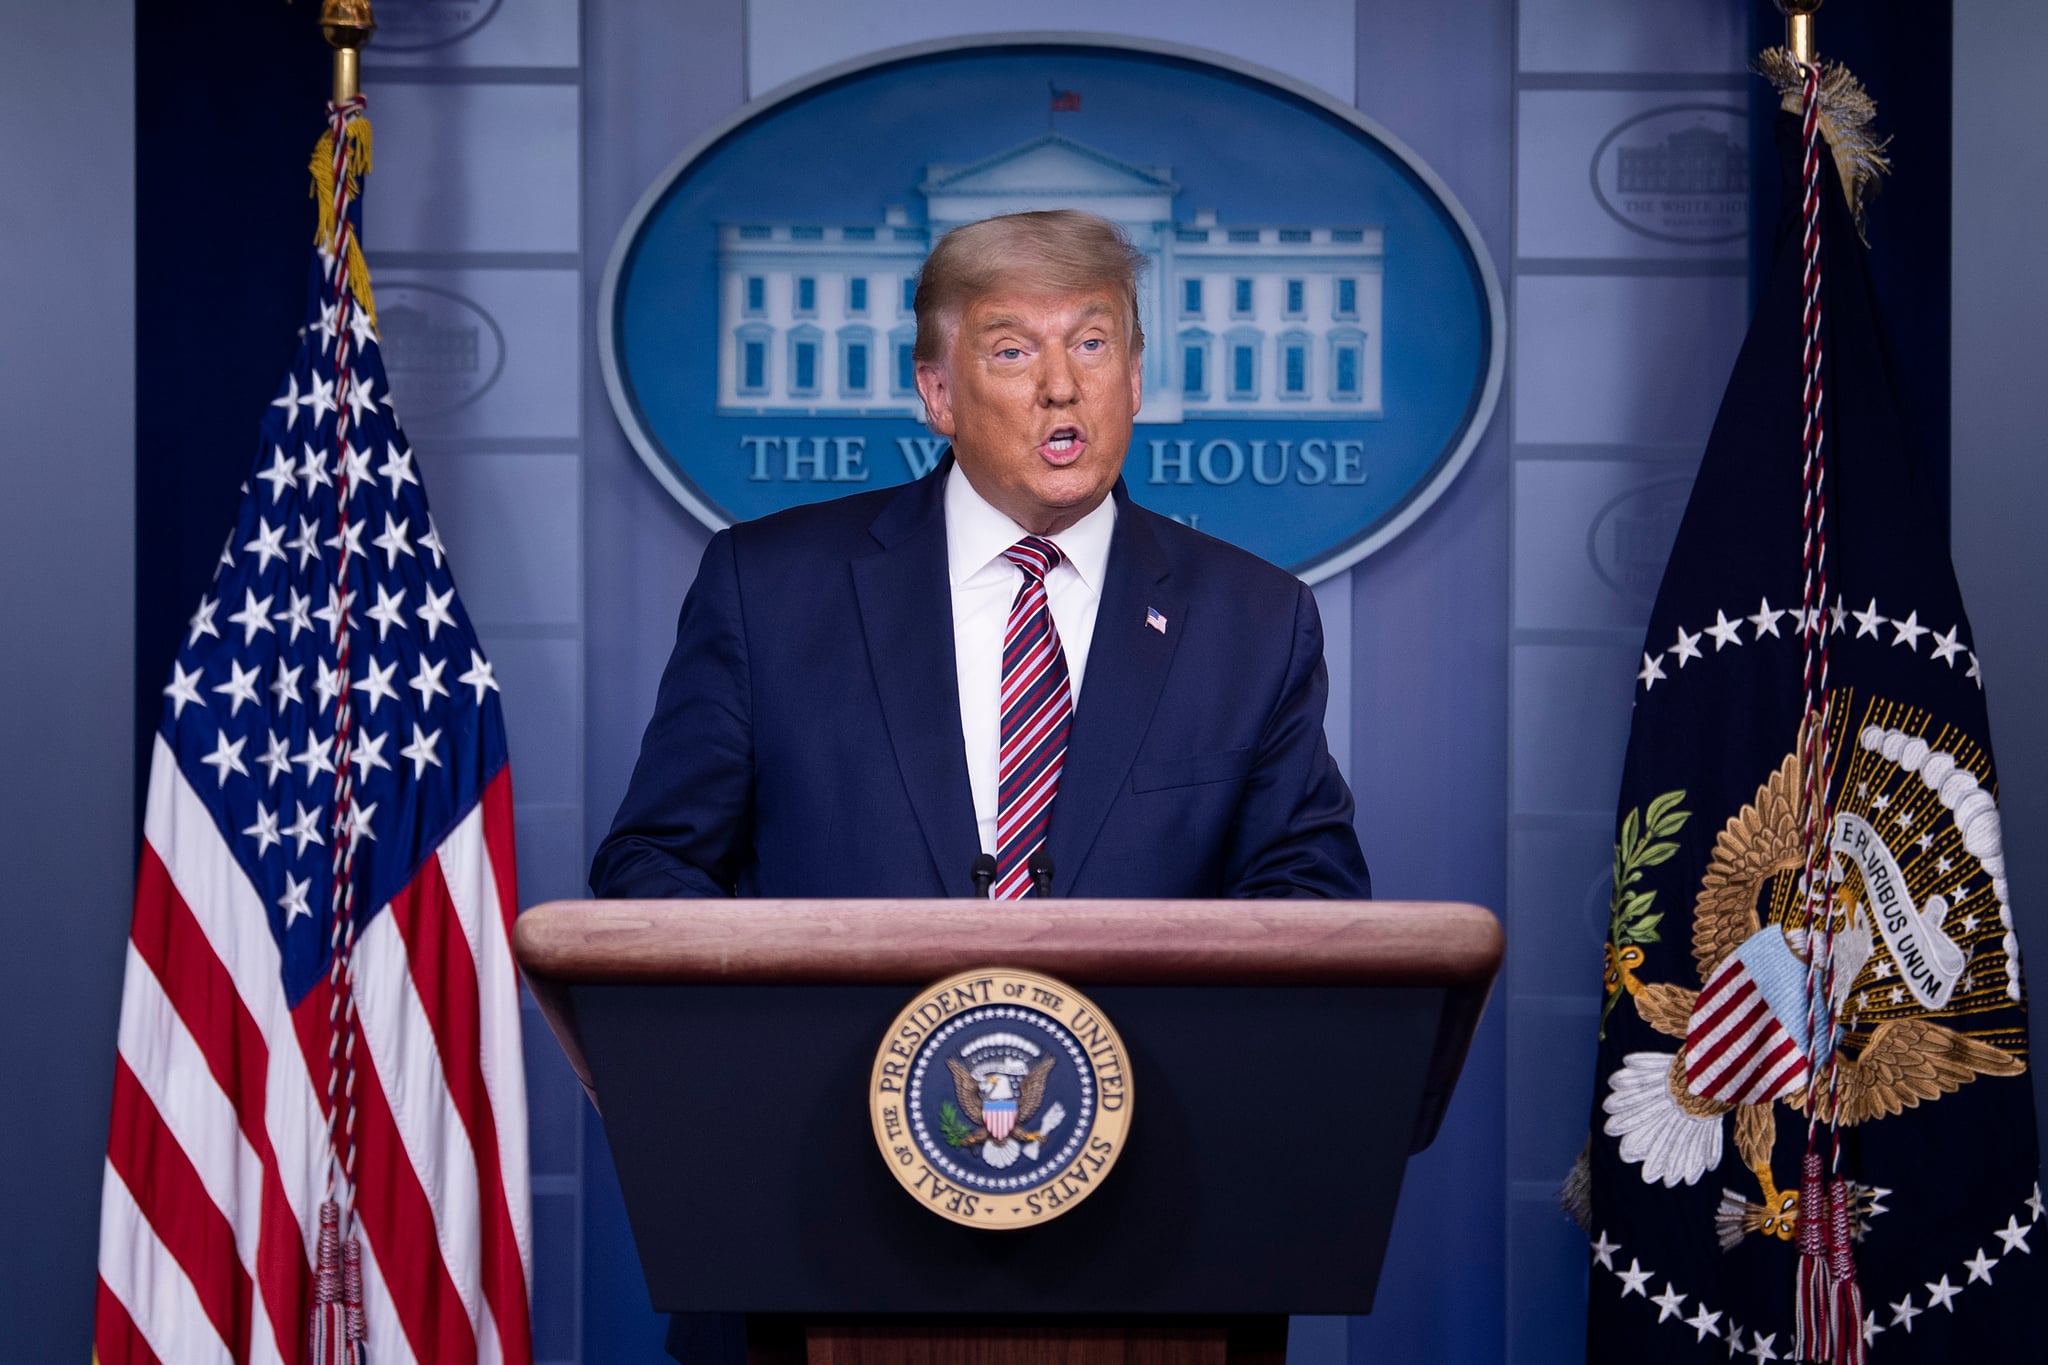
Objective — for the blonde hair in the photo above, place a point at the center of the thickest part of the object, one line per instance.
(1054, 251)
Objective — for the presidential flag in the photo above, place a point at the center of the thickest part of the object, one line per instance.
(318, 1143)
(1812, 924)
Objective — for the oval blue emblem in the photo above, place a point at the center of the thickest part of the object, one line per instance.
(1324, 329)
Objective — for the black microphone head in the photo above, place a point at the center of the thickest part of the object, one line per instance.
(1041, 871)
(983, 872)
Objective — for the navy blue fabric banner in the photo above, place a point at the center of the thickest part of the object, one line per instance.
(1697, 1145)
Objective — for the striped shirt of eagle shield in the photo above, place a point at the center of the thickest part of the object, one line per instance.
(1000, 1098)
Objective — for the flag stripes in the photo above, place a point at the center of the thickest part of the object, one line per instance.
(218, 1117)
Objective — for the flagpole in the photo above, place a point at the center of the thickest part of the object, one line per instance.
(347, 25)
(1799, 28)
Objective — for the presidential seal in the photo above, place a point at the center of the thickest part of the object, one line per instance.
(1000, 1098)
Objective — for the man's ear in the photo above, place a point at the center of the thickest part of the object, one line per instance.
(937, 395)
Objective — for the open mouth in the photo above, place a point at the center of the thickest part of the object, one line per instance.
(1064, 445)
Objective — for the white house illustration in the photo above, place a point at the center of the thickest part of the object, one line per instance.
(1240, 321)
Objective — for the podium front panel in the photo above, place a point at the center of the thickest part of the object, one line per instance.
(1270, 1127)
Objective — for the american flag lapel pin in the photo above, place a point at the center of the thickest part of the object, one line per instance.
(1155, 619)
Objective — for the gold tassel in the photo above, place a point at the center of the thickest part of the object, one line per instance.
(1846, 111)
(359, 144)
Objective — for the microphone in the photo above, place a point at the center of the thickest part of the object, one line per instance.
(984, 874)
(1041, 872)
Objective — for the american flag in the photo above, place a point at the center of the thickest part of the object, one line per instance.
(320, 1006)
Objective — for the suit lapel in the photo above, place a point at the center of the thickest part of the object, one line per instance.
(906, 611)
(1127, 666)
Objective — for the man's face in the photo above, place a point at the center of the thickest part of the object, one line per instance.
(1038, 392)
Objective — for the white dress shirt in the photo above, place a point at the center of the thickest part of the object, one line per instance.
(984, 584)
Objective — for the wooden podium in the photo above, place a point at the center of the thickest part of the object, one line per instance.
(1287, 1057)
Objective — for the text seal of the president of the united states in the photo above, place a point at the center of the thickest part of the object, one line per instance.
(1001, 1098)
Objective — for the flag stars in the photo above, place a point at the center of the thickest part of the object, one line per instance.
(1652, 671)
(254, 615)
(282, 474)
(354, 468)
(202, 622)
(327, 684)
(359, 824)
(1979, 1268)
(361, 328)
(328, 325)
(264, 831)
(297, 613)
(268, 545)
(312, 469)
(307, 542)
(1973, 674)
(275, 758)
(1725, 631)
(314, 757)
(289, 401)
(394, 541)
(293, 902)
(479, 676)
(1868, 620)
(304, 830)
(397, 467)
(359, 400)
(1839, 615)
(2013, 1235)
(421, 751)
(347, 538)
(375, 684)
(1909, 631)
(240, 686)
(1764, 619)
(1704, 1324)
(1942, 1294)
(1603, 1251)
(1946, 647)
(226, 758)
(388, 612)
(368, 755)
(1734, 1341)
(1633, 1279)
(431, 541)
(433, 612)
(1903, 1313)
(1668, 1302)
(2034, 1201)
(1687, 648)
(427, 682)
(184, 688)
(1760, 1347)
(1943, 863)
(337, 607)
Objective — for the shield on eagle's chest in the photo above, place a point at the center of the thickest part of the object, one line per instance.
(999, 1117)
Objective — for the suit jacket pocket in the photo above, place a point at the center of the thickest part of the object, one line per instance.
(1225, 765)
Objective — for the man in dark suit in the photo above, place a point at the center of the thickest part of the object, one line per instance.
(884, 695)
(1006, 658)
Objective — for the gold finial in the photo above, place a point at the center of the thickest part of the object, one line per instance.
(1799, 28)
(347, 25)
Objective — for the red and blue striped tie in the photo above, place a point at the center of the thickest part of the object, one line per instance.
(1038, 710)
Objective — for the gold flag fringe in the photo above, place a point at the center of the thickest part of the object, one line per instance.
(1846, 112)
(359, 143)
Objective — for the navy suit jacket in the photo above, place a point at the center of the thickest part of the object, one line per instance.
(806, 739)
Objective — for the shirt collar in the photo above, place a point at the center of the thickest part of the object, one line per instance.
(977, 534)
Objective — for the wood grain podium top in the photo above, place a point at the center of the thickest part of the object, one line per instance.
(909, 942)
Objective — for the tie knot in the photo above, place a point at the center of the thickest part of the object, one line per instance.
(1035, 555)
